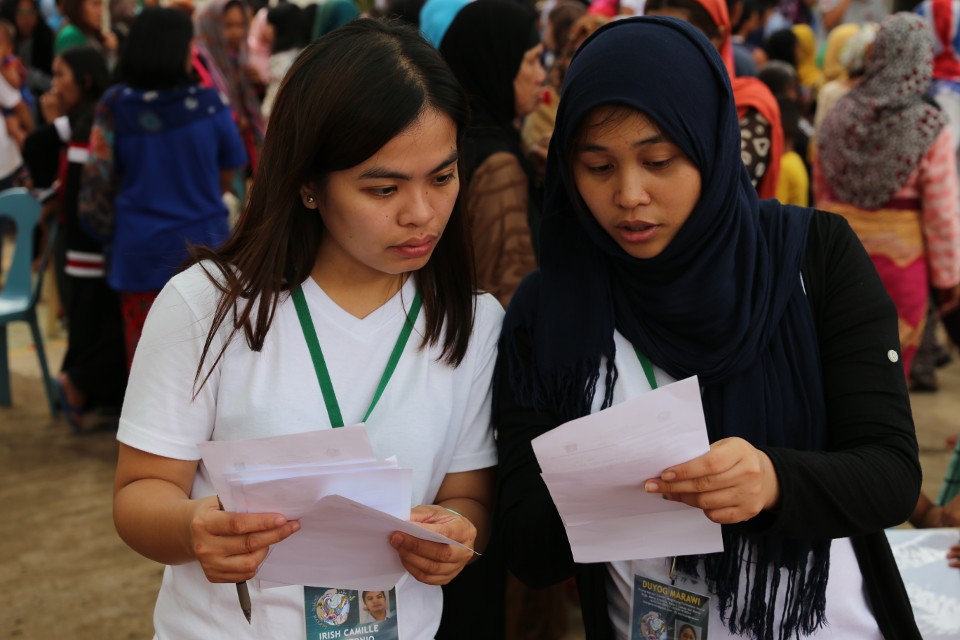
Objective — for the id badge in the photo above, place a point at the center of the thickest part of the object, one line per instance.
(667, 612)
(345, 614)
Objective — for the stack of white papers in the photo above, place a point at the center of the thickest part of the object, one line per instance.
(595, 468)
(348, 504)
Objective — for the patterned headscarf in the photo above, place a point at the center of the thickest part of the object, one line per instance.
(229, 76)
(876, 135)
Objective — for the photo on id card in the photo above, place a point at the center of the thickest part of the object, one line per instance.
(665, 612)
(346, 614)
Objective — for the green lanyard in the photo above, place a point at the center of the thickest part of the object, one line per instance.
(323, 375)
(647, 368)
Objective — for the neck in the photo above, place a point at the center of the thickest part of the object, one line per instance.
(357, 292)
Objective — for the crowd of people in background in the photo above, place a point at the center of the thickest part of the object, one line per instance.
(143, 123)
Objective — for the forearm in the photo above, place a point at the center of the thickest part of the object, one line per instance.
(153, 517)
(474, 511)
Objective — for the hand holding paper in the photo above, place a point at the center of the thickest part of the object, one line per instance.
(595, 468)
(732, 483)
(432, 562)
(230, 546)
(347, 503)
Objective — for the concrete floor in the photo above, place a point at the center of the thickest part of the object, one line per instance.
(66, 574)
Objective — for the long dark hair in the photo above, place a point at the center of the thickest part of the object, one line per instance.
(345, 97)
(42, 48)
(92, 77)
(154, 55)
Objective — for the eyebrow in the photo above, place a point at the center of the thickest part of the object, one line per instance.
(384, 172)
(654, 139)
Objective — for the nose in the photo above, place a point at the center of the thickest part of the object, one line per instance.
(417, 210)
(630, 191)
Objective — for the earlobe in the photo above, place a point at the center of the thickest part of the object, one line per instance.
(309, 199)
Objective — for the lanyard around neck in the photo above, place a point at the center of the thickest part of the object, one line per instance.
(320, 365)
(647, 368)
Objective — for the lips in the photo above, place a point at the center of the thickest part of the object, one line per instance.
(416, 247)
(636, 225)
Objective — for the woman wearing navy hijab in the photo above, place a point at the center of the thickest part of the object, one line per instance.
(658, 262)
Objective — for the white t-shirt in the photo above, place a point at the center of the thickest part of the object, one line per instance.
(435, 419)
(10, 159)
(848, 615)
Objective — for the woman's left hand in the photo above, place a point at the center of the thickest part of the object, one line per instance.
(432, 562)
(732, 482)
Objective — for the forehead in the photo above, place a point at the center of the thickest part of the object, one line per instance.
(423, 144)
(615, 121)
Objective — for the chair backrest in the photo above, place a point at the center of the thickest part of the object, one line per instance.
(18, 205)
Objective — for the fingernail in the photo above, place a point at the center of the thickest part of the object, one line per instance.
(279, 521)
(650, 487)
(395, 541)
(668, 476)
(295, 525)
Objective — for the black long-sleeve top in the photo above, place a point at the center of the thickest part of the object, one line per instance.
(868, 477)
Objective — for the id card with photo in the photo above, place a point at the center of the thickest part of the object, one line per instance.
(666, 612)
(345, 614)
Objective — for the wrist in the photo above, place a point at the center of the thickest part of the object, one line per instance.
(770, 483)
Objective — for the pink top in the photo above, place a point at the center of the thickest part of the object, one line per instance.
(934, 183)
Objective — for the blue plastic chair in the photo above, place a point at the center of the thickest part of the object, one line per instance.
(21, 291)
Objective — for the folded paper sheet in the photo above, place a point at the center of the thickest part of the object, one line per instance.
(595, 468)
(348, 504)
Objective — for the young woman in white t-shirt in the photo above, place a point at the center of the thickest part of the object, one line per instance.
(353, 220)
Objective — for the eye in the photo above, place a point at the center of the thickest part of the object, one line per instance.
(382, 192)
(445, 179)
(659, 164)
(599, 169)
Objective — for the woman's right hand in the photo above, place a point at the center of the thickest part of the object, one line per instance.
(231, 546)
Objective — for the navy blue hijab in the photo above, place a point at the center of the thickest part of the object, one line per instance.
(723, 301)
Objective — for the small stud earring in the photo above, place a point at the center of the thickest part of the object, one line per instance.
(310, 199)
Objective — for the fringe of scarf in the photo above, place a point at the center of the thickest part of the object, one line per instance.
(753, 613)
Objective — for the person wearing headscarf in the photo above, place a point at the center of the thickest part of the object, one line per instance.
(760, 131)
(832, 67)
(538, 126)
(848, 48)
(658, 263)
(810, 75)
(436, 16)
(493, 48)
(886, 162)
(221, 28)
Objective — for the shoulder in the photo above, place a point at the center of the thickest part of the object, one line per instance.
(487, 321)
(197, 288)
(489, 313)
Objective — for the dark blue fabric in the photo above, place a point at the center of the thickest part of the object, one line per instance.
(169, 149)
(723, 301)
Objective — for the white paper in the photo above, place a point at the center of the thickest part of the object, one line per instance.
(348, 504)
(323, 446)
(342, 543)
(595, 468)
